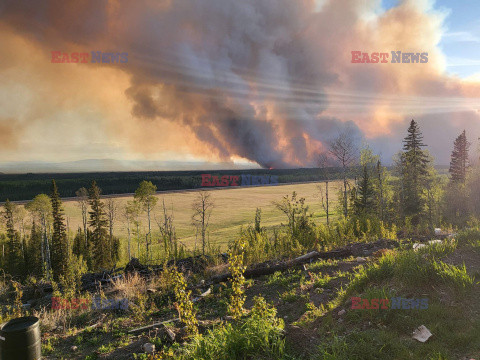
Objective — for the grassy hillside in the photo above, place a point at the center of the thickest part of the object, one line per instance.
(307, 314)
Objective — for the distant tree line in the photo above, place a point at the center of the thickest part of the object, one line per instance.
(26, 186)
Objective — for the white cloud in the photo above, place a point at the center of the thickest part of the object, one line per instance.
(460, 36)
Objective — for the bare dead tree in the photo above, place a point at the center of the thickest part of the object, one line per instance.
(345, 150)
(82, 203)
(20, 216)
(112, 212)
(167, 232)
(202, 209)
(323, 162)
(145, 195)
(130, 215)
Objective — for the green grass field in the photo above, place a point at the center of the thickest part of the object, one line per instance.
(234, 208)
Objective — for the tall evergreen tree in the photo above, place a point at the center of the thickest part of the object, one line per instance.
(59, 249)
(98, 222)
(79, 248)
(380, 197)
(14, 256)
(414, 172)
(459, 159)
(364, 200)
(34, 248)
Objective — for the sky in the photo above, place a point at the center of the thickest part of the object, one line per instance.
(228, 83)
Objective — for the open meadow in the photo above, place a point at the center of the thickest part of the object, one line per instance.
(234, 208)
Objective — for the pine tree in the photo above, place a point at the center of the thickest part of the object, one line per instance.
(414, 173)
(34, 248)
(380, 197)
(14, 247)
(98, 222)
(364, 200)
(79, 247)
(59, 237)
(459, 159)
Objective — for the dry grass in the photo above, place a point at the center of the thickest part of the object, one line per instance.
(130, 287)
(59, 319)
(234, 208)
(216, 270)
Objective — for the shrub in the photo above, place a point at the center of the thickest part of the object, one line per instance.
(470, 236)
(414, 270)
(259, 336)
(237, 268)
(184, 305)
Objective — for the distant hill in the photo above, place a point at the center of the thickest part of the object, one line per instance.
(102, 165)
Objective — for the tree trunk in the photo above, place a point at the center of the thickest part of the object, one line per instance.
(47, 256)
(326, 195)
(147, 236)
(129, 240)
(380, 185)
(138, 241)
(345, 204)
(203, 227)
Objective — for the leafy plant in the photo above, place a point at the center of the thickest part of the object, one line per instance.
(184, 305)
(237, 268)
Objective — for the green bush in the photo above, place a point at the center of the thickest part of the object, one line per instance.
(469, 237)
(259, 336)
(413, 269)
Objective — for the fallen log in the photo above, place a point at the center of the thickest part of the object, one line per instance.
(92, 281)
(270, 268)
(259, 270)
(148, 327)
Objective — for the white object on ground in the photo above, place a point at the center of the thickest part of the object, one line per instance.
(170, 334)
(417, 246)
(206, 293)
(149, 348)
(421, 334)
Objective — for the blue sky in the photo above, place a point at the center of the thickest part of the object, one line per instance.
(461, 40)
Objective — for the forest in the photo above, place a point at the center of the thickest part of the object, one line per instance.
(17, 187)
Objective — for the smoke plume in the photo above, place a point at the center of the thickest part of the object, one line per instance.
(267, 81)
